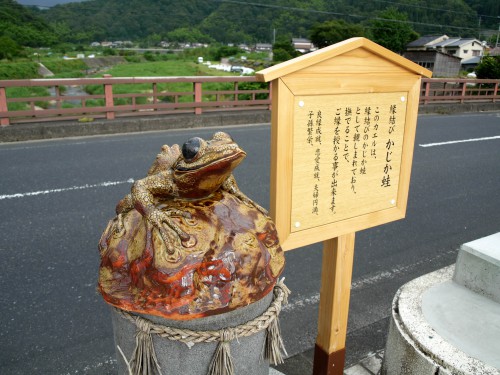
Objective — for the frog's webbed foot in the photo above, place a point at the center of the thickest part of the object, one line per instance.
(231, 186)
(170, 232)
(257, 206)
(251, 203)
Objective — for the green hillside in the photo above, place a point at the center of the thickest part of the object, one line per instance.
(232, 20)
(22, 26)
(255, 21)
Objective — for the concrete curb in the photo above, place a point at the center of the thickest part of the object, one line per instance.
(414, 345)
(62, 129)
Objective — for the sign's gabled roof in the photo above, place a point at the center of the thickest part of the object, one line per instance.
(337, 49)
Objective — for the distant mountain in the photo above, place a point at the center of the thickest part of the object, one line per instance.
(254, 21)
(247, 21)
(24, 26)
(46, 3)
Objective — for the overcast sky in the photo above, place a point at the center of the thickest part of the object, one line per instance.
(46, 3)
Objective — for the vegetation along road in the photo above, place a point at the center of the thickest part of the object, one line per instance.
(57, 196)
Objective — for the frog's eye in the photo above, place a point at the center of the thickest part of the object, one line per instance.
(191, 148)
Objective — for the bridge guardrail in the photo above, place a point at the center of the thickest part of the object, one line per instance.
(37, 100)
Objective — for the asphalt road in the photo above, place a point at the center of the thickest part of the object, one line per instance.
(57, 196)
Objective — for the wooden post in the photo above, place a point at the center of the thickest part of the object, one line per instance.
(462, 93)
(108, 95)
(427, 91)
(197, 97)
(336, 274)
(4, 121)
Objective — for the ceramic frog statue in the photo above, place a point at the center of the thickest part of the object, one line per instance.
(196, 172)
(186, 242)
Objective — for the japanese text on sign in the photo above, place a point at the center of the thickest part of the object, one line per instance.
(347, 156)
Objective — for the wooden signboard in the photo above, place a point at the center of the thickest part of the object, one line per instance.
(343, 128)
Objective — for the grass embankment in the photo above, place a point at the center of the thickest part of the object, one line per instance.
(66, 68)
(29, 70)
(170, 68)
(19, 70)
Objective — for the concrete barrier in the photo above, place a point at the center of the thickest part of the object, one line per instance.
(448, 322)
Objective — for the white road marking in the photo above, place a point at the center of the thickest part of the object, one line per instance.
(62, 190)
(460, 141)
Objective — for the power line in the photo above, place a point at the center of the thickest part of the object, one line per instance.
(424, 7)
(308, 10)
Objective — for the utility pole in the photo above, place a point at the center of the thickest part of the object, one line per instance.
(479, 28)
(498, 34)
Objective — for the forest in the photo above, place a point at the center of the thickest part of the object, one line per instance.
(234, 21)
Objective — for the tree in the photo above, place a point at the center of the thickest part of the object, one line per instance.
(8, 48)
(188, 35)
(283, 50)
(391, 30)
(331, 32)
(489, 68)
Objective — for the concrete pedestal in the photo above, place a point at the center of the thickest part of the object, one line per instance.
(176, 358)
(448, 322)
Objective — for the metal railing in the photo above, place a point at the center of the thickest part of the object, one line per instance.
(84, 99)
(445, 90)
(108, 97)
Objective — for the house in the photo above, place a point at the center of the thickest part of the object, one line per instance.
(441, 64)
(425, 42)
(463, 48)
(264, 47)
(444, 55)
(494, 51)
(460, 47)
(471, 63)
(303, 45)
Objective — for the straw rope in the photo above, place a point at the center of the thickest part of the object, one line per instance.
(249, 328)
(144, 355)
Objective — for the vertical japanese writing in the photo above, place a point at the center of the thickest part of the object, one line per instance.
(355, 144)
(335, 165)
(317, 159)
(392, 118)
(366, 139)
(318, 127)
(348, 154)
(376, 119)
(315, 209)
(347, 130)
(310, 124)
(389, 145)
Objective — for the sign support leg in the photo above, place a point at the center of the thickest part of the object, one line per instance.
(336, 274)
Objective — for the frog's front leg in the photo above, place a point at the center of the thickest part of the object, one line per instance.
(143, 193)
(231, 186)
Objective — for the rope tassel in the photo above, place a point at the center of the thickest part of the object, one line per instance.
(144, 361)
(274, 348)
(222, 363)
